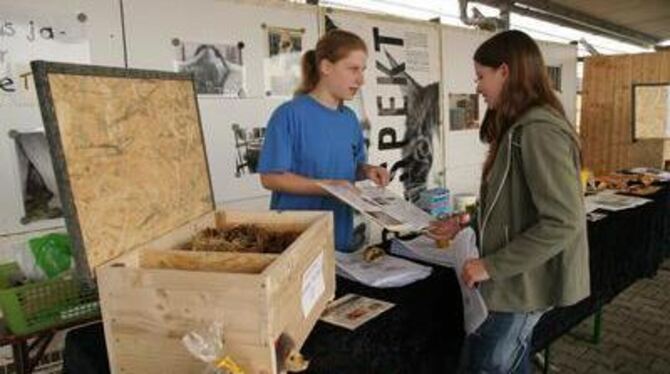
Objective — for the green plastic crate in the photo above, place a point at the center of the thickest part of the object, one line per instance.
(40, 305)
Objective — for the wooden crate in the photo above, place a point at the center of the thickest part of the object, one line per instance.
(130, 161)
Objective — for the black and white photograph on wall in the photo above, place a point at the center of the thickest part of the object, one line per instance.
(463, 112)
(282, 66)
(39, 190)
(218, 69)
(248, 144)
(398, 106)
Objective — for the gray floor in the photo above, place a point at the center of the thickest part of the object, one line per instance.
(635, 336)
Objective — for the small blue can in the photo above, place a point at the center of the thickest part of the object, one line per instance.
(436, 201)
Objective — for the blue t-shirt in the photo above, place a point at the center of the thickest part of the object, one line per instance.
(307, 138)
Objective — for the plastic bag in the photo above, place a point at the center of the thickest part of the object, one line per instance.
(43, 257)
(207, 346)
(53, 253)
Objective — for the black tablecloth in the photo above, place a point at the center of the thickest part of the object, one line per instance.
(421, 334)
(424, 332)
(623, 247)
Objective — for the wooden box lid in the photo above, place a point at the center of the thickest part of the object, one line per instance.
(128, 152)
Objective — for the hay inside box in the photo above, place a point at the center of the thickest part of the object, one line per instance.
(130, 160)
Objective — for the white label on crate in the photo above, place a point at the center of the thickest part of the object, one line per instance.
(313, 285)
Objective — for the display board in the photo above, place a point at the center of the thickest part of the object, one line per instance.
(67, 31)
(464, 109)
(245, 59)
(399, 105)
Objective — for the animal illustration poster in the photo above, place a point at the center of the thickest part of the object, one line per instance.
(463, 112)
(282, 66)
(399, 105)
(218, 68)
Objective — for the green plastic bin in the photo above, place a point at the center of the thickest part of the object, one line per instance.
(41, 305)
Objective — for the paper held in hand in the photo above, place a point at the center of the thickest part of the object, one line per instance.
(382, 206)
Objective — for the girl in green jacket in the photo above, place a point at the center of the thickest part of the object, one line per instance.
(530, 223)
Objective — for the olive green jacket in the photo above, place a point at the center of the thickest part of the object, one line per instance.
(531, 220)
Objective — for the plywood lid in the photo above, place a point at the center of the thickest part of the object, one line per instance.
(128, 153)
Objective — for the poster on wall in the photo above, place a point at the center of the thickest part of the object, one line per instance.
(24, 38)
(218, 69)
(463, 112)
(399, 106)
(282, 66)
(248, 145)
(234, 131)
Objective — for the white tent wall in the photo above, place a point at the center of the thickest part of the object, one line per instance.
(465, 154)
(69, 31)
(150, 46)
(153, 26)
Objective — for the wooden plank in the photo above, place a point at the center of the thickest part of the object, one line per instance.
(181, 235)
(285, 281)
(133, 349)
(277, 220)
(173, 239)
(622, 134)
(146, 312)
(230, 262)
(607, 123)
(135, 160)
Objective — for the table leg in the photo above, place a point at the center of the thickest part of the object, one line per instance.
(597, 326)
(21, 351)
(545, 369)
(21, 357)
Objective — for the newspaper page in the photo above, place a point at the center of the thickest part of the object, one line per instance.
(351, 311)
(382, 206)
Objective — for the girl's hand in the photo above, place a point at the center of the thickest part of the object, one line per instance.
(444, 230)
(377, 174)
(474, 272)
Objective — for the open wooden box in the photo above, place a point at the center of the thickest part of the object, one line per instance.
(130, 160)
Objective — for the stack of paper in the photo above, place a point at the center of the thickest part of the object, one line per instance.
(611, 201)
(383, 272)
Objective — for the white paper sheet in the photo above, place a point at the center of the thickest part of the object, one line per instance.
(351, 311)
(611, 201)
(313, 285)
(382, 206)
(462, 248)
(386, 271)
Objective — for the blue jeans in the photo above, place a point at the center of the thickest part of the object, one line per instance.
(500, 345)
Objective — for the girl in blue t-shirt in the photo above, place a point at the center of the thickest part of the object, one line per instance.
(316, 138)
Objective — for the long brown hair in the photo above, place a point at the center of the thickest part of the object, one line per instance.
(527, 85)
(333, 46)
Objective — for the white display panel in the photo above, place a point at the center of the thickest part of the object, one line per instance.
(400, 101)
(68, 31)
(233, 36)
(465, 153)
